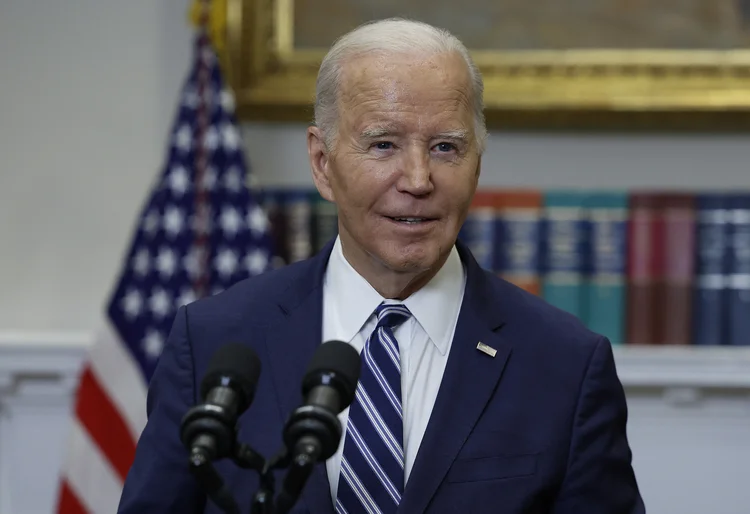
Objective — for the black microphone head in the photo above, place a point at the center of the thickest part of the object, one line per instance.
(334, 363)
(233, 365)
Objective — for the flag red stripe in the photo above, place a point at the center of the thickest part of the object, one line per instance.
(104, 424)
(69, 503)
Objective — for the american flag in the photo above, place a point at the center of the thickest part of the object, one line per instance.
(201, 230)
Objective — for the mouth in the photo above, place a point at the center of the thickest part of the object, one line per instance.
(411, 221)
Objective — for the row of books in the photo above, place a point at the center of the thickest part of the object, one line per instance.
(641, 267)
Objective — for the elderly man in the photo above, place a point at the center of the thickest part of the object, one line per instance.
(474, 396)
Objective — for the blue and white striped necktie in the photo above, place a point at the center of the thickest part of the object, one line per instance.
(372, 465)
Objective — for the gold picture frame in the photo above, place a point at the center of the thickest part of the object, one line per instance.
(532, 89)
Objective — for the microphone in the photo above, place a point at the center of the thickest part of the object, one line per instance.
(208, 429)
(313, 431)
(227, 389)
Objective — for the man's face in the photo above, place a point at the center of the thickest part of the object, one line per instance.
(405, 164)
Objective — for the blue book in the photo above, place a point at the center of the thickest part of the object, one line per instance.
(738, 292)
(605, 290)
(564, 251)
(711, 269)
(478, 233)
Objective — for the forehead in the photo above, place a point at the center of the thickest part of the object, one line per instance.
(412, 91)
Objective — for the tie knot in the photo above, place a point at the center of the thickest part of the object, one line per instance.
(391, 315)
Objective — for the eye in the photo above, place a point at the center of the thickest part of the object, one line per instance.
(383, 145)
(445, 147)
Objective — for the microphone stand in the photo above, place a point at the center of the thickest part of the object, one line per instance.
(245, 457)
(301, 466)
(206, 474)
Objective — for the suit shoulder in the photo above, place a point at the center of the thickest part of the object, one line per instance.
(544, 324)
(256, 296)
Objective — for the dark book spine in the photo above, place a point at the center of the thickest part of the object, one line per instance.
(711, 250)
(738, 291)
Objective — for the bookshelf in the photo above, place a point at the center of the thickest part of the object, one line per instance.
(714, 367)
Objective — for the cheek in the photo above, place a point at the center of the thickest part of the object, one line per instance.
(360, 186)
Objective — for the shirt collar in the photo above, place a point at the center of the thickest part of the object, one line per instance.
(435, 306)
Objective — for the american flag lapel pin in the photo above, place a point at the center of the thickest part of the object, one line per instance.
(486, 349)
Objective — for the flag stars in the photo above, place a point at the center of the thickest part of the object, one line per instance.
(233, 180)
(132, 304)
(150, 225)
(190, 98)
(183, 138)
(226, 99)
(257, 220)
(211, 139)
(178, 180)
(153, 343)
(173, 221)
(187, 296)
(166, 262)
(230, 137)
(141, 262)
(231, 221)
(160, 303)
(256, 262)
(226, 263)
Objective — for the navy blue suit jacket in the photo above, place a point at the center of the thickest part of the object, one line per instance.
(538, 428)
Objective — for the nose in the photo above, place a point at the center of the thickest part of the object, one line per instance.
(416, 177)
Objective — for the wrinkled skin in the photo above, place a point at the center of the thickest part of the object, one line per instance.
(405, 147)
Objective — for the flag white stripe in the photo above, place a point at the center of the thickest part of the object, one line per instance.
(374, 464)
(354, 482)
(383, 382)
(90, 475)
(377, 421)
(119, 376)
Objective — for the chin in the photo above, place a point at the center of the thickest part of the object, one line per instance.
(410, 260)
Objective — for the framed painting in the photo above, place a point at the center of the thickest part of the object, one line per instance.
(574, 64)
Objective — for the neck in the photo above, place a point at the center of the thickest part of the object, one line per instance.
(390, 284)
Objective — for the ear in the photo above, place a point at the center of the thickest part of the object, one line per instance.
(319, 162)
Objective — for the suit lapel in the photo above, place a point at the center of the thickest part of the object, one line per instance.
(469, 380)
(291, 344)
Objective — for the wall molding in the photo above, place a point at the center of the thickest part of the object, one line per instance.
(706, 367)
(30, 358)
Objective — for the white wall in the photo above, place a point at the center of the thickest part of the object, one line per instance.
(87, 89)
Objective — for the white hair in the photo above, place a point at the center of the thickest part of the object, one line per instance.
(393, 35)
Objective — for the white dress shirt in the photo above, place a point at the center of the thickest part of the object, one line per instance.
(424, 340)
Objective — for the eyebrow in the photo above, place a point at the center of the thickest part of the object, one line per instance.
(461, 135)
(377, 132)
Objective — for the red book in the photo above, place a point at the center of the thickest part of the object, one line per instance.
(520, 212)
(674, 326)
(645, 232)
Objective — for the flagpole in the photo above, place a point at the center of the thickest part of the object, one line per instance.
(202, 214)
